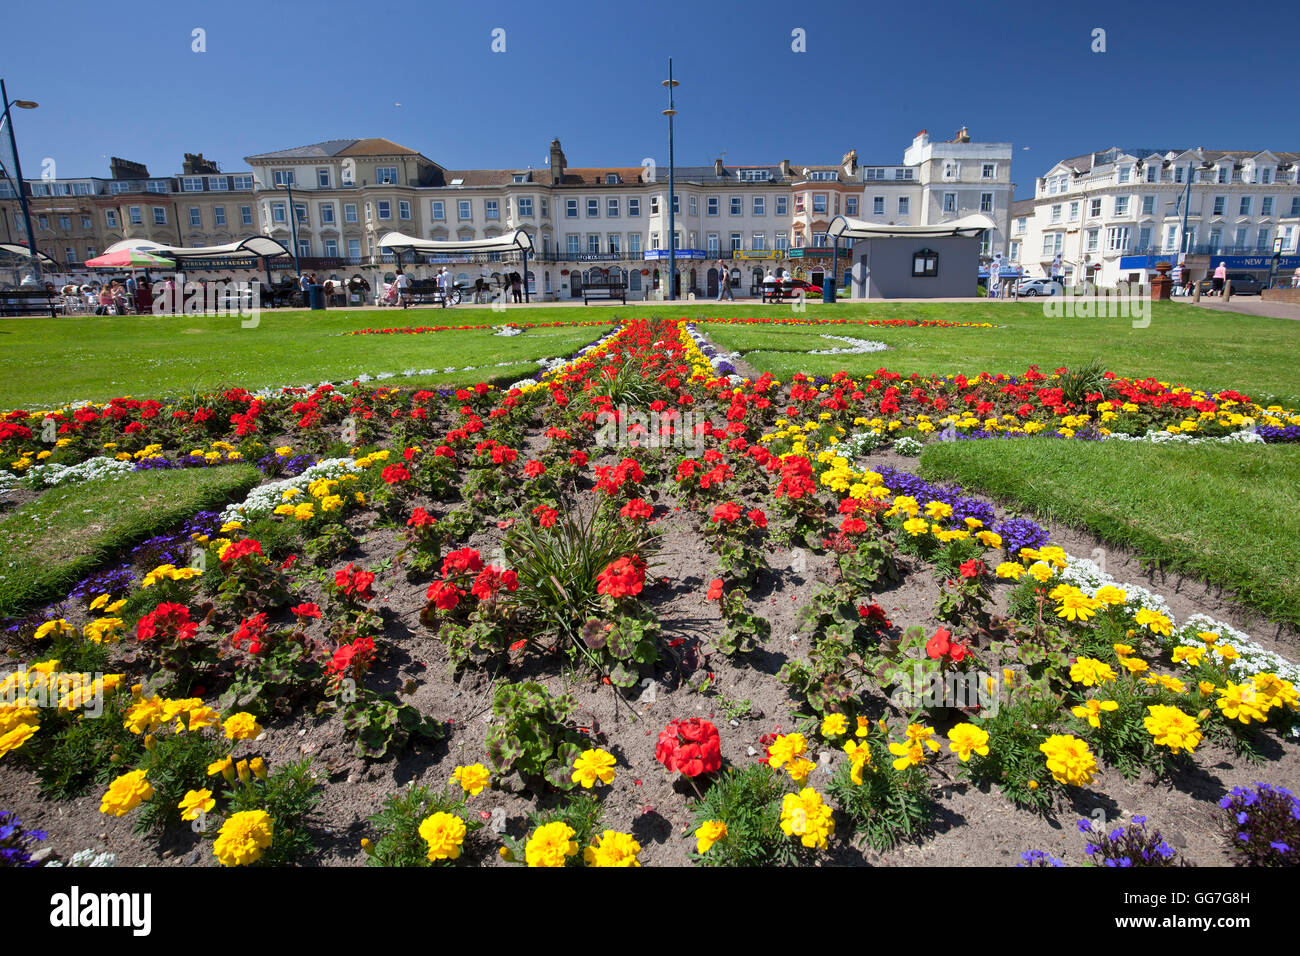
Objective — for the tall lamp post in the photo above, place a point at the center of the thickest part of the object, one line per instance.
(672, 179)
(293, 226)
(18, 173)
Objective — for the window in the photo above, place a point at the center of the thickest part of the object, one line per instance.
(1266, 175)
(243, 182)
(1244, 208)
(300, 210)
(1216, 239)
(1015, 250)
(904, 205)
(1295, 206)
(1021, 224)
(1121, 205)
(327, 213)
(1125, 173)
(736, 206)
(192, 184)
(83, 189)
(331, 247)
(654, 240)
(1148, 205)
(404, 209)
(1171, 238)
(385, 209)
(43, 222)
(110, 218)
(491, 209)
(1074, 211)
(615, 243)
(546, 208)
(758, 241)
(633, 245)
(593, 243)
(925, 264)
(160, 215)
(90, 250)
(759, 206)
(677, 205)
(634, 207)
(1266, 206)
(1056, 212)
(951, 170)
(386, 175)
(950, 204)
(593, 208)
(824, 175)
(986, 202)
(754, 175)
(283, 177)
(157, 186)
(1178, 174)
(354, 248)
(196, 217)
(988, 171)
(219, 215)
(65, 222)
(571, 243)
(526, 206)
(819, 203)
(877, 205)
(850, 205)
(304, 247)
(1224, 173)
(1219, 202)
(735, 242)
(463, 210)
(437, 211)
(783, 205)
(133, 212)
(570, 209)
(246, 215)
(1144, 238)
(1094, 208)
(711, 206)
(1153, 172)
(1261, 240)
(1117, 239)
(711, 243)
(1240, 240)
(612, 207)
(1052, 243)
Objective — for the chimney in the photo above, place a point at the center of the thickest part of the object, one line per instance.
(850, 162)
(786, 171)
(963, 136)
(195, 165)
(717, 168)
(125, 169)
(557, 162)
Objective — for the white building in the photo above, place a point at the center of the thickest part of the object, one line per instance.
(1112, 215)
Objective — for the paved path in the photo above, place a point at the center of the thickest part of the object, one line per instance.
(1247, 305)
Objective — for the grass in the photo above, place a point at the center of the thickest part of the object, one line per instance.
(96, 358)
(48, 545)
(1197, 347)
(1226, 514)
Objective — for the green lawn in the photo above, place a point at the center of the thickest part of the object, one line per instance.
(49, 544)
(1200, 348)
(1227, 514)
(97, 358)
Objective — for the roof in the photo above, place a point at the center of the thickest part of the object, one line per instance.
(374, 146)
(1022, 207)
(512, 242)
(246, 248)
(842, 227)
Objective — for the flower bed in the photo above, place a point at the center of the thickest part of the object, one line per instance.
(677, 605)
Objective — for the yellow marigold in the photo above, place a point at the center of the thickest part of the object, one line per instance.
(1090, 672)
(1134, 665)
(1123, 650)
(201, 717)
(833, 725)
(1009, 569)
(145, 714)
(1068, 759)
(1189, 655)
(243, 838)
(444, 833)
(592, 766)
(551, 845)
(1091, 710)
(807, 816)
(1076, 606)
(916, 526)
(1273, 691)
(708, 833)
(938, 509)
(16, 736)
(965, 739)
(126, 793)
(1168, 683)
(1109, 594)
(57, 626)
(1041, 572)
(990, 539)
(1170, 727)
(613, 849)
(472, 778)
(1241, 702)
(863, 728)
(786, 749)
(859, 758)
(195, 803)
(242, 726)
(1154, 621)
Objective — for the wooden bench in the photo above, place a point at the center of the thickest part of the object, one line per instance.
(28, 302)
(776, 292)
(604, 291)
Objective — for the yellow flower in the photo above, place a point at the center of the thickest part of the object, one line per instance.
(1156, 622)
(1009, 569)
(916, 526)
(613, 849)
(472, 778)
(1069, 759)
(1241, 702)
(243, 838)
(551, 845)
(1171, 728)
(1041, 572)
(1091, 710)
(16, 736)
(864, 727)
(1076, 606)
(58, 626)
(1109, 594)
(258, 766)
(201, 717)
(708, 833)
(592, 766)
(1134, 665)
(126, 793)
(1123, 650)
(938, 509)
(1189, 655)
(1273, 691)
(195, 803)
(1089, 671)
(859, 758)
(806, 816)
(444, 833)
(833, 725)
(965, 739)
(242, 726)
(786, 749)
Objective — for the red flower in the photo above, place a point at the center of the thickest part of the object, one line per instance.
(545, 516)
(444, 451)
(728, 512)
(853, 526)
(690, 747)
(167, 621)
(420, 519)
(621, 578)
(351, 658)
(533, 469)
(578, 458)
(972, 568)
(636, 509)
(715, 589)
(444, 596)
(306, 610)
(240, 549)
(758, 517)
(396, 473)
(938, 646)
(463, 560)
(354, 582)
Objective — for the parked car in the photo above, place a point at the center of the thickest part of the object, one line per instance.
(1241, 283)
(1043, 286)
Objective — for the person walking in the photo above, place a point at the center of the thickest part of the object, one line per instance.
(480, 287)
(403, 282)
(131, 289)
(1058, 271)
(1176, 276)
(444, 286)
(1220, 278)
(724, 283)
(516, 287)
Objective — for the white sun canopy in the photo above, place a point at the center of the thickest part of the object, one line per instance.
(842, 227)
(512, 243)
(16, 249)
(248, 248)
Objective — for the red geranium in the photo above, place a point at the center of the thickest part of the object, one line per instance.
(444, 596)
(351, 658)
(463, 560)
(396, 473)
(715, 589)
(622, 578)
(306, 610)
(636, 509)
(545, 516)
(166, 621)
(354, 582)
(690, 747)
(241, 549)
(972, 568)
(533, 469)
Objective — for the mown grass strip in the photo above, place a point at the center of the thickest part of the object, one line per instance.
(1226, 514)
(49, 544)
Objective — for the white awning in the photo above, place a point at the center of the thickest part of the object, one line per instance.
(516, 243)
(248, 248)
(842, 227)
(17, 249)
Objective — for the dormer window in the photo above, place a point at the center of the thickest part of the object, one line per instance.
(611, 179)
(520, 177)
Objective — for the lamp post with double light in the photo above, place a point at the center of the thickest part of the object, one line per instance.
(18, 173)
(293, 227)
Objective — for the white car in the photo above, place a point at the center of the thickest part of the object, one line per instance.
(1044, 286)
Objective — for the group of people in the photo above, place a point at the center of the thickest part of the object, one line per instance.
(116, 297)
(512, 284)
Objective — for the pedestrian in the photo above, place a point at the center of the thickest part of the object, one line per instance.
(444, 286)
(516, 287)
(1176, 274)
(480, 287)
(1058, 271)
(131, 290)
(1220, 277)
(724, 282)
(403, 282)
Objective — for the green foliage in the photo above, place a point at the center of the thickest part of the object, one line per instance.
(748, 801)
(1014, 761)
(276, 679)
(177, 764)
(533, 736)
(621, 647)
(889, 805)
(1080, 380)
(581, 810)
(398, 823)
(742, 630)
(382, 724)
(289, 794)
(69, 758)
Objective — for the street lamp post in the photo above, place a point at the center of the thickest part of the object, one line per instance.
(18, 174)
(293, 227)
(672, 178)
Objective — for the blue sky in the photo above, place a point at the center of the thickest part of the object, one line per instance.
(871, 77)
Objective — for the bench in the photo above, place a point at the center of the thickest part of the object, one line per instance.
(775, 292)
(604, 291)
(29, 302)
